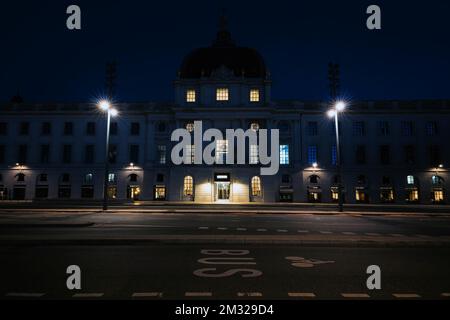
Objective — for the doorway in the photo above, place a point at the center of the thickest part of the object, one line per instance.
(222, 191)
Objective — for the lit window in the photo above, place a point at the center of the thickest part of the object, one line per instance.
(162, 154)
(256, 186)
(333, 155)
(436, 180)
(188, 189)
(190, 154)
(222, 94)
(438, 196)
(112, 178)
(254, 154)
(407, 128)
(254, 95)
(284, 154)
(190, 126)
(312, 154)
(410, 179)
(221, 151)
(190, 95)
(88, 178)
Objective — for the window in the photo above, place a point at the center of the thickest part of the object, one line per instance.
(256, 186)
(24, 129)
(188, 187)
(361, 154)
(135, 129)
(361, 179)
(190, 126)
(359, 129)
(333, 155)
(254, 126)
(68, 128)
(383, 128)
(134, 153)
(410, 180)
(312, 128)
(42, 178)
(67, 153)
(65, 178)
(437, 181)
(222, 94)
(221, 151)
(162, 154)
(254, 154)
(285, 178)
(254, 95)
(284, 126)
(385, 155)
(190, 95)
(45, 153)
(407, 128)
(159, 178)
(90, 128)
(113, 128)
(432, 128)
(3, 128)
(88, 178)
(312, 155)
(133, 177)
(162, 126)
(112, 153)
(314, 179)
(190, 154)
(112, 178)
(46, 128)
(2, 153)
(386, 180)
(434, 155)
(89, 154)
(20, 177)
(22, 154)
(410, 154)
(284, 154)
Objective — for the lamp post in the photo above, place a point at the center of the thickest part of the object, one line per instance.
(334, 113)
(111, 112)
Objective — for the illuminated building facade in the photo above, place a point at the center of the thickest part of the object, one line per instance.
(393, 151)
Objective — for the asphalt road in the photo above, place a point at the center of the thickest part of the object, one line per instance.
(251, 272)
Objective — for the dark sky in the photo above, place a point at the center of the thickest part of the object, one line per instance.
(408, 59)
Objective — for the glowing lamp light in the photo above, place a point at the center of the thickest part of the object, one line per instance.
(441, 166)
(104, 105)
(114, 112)
(315, 165)
(331, 113)
(340, 106)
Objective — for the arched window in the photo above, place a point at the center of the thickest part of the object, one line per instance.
(411, 180)
(256, 186)
(20, 177)
(88, 178)
(133, 177)
(188, 188)
(437, 180)
(314, 179)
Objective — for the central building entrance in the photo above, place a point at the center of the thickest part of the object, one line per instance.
(222, 186)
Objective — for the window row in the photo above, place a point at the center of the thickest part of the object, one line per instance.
(223, 95)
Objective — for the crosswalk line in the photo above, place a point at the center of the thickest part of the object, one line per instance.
(301, 295)
(198, 294)
(406, 295)
(249, 294)
(147, 295)
(88, 295)
(355, 295)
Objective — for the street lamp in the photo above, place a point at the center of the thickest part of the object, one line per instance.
(111, 112)
(339, 106)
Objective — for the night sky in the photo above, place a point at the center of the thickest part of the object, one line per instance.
(408, 59)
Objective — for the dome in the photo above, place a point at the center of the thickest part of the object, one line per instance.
(243, 62)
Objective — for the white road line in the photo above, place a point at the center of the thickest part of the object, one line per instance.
(241, 229)
(87, 295)
(326, 232)
(249, 294)
(406, 295)
(355, 295)
(372, 234)
(301, 295)
(349, 233)
(223, 229)
(203, 228)
(303, 231)
(198, 294)
(147, 295)
(281, 230)
(446, 295)
(24, 295)
(261, 230)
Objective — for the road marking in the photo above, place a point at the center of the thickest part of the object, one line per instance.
(24, 295)
(241, 229)
(372, 234)
(249, 294)
(281, 230)
(326, 232)
(303, 231)
(147, 295)
(406, 295)
(301, 295)
(446, 295)
(223, 229)
(198, 294)
(203, 228)
(355, 295)
(261, 230)
(87, 295)
(349, 233)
